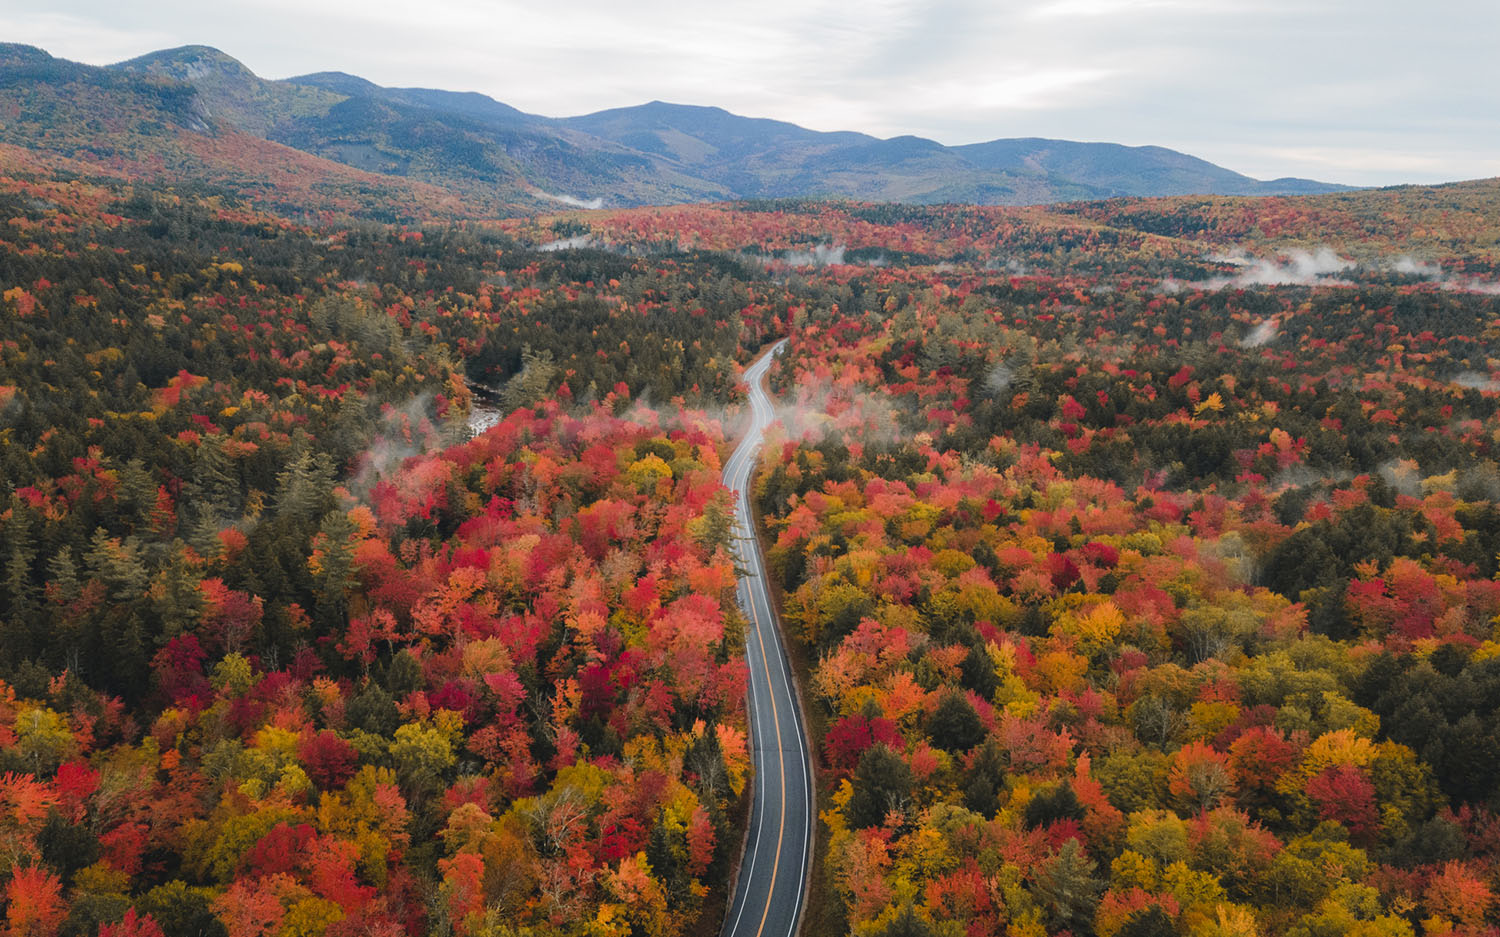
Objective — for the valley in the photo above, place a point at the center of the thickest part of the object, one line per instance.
(378, 557)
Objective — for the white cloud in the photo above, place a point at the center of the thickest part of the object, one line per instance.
(1417, 268)
(1074, 9)
(1426, 159)
(1294, 268)
(1264, 332)
(822, 255)
(81, 38)
(1015, 90)
(571, 201)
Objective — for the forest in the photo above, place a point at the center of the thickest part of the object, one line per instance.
(1139, 559)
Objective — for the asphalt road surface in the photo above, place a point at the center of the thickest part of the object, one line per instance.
(768, 896)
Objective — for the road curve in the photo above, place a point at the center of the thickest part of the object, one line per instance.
(773, 872)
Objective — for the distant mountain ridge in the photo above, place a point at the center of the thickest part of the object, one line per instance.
(504, 159)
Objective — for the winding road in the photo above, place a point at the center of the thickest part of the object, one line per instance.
(773, 872)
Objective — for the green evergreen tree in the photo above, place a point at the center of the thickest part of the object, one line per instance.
(954, 726)
(882, 783)
(1068, 891)
(532, 383)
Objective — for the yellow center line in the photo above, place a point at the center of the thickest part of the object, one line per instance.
(776, 722)
(748, 462)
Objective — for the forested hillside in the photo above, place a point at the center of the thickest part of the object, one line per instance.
(1144, 556)
(1141, 556)
(334, 142)
(281, 652)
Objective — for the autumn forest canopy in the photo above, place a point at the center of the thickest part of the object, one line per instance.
(1139, 559)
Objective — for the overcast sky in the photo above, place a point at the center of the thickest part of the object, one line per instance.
(1366, 92)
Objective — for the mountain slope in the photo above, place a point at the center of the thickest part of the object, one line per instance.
(154, 109)
(230, 92)
(141, 123)
(1114, 169)
(760, 157)
(703, 135)
(42, 94)
(459, 140)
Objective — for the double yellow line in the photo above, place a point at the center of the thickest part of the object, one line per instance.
(753, 559)
(765, 663)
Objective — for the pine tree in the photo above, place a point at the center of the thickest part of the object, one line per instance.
(532, 383)
(177, 597)
(954, 726)
(62, 575)
(882, 783)
(118, 564)
(20, 585)
(303, 488)
(1068, 890)
(334, 572)
(138, 491)
(216, 490)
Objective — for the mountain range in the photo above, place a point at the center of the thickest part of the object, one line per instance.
(195, 113)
